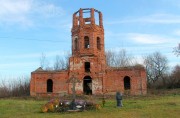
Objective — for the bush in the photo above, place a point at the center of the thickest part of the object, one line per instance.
(17, 88)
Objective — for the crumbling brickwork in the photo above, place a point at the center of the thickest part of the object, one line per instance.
(88, 65)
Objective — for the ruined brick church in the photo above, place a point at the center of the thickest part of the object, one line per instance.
(87, 65)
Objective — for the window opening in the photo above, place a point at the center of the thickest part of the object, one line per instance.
(98, 43)
(76, 43)
(49, 85)
(86, 42)
(87, 66)
(127, 84)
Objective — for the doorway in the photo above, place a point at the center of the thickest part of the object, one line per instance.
(87, 85)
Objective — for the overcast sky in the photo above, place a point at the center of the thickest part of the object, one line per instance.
(29, 28)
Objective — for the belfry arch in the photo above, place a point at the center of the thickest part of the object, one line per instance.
(98, 43)
(86, 42)
(76, 44)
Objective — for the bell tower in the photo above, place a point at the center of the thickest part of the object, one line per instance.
(87, 33)
(87, 62)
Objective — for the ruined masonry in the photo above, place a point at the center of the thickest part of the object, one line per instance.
(87, 65)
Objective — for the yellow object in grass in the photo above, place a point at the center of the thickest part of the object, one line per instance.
(50, 107)
(98, 106)
(55, 102)
(44, 109)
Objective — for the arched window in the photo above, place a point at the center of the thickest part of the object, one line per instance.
(76, 44)
(86, 42)
(98, 43)
(127, 84)
(49, 85)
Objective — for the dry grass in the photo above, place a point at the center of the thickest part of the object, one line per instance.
(155, 106)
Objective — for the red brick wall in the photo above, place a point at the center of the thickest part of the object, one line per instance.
(110, 81)
(115, 80)
(38, 84)
(104, 79)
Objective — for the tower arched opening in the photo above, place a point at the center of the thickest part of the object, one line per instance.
(98, 43)
(86, 42)
(76, 44)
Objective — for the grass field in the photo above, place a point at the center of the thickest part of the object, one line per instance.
(154, 106)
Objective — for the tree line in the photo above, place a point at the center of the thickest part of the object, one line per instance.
(159, 74)
(18, 87)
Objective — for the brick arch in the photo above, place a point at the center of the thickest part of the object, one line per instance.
(127, 83)
(87, 85)
(98, 43)
(86, 42)
(49, 85)
(76, 44)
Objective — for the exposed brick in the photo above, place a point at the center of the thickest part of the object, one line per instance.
(95, 75)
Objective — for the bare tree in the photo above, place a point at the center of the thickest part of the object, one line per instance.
(67, 56)
(17, 87)
(119, 59)
(175, 77)
(57, 64)
(44, 63)
(176, 50)
(123, 59)
(61, 63)
(156, 67)
(110, 58)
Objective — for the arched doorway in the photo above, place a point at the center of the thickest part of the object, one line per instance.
(127, 83)
(49, 85)
(87, 85)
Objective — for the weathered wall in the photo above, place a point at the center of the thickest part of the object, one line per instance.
(104, 79)
(115, 81)
(38, 84)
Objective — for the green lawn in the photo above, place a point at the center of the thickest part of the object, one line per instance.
(166, 106)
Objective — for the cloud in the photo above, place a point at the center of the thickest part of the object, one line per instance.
(16, 65)
(161, 19)
(27, 12)
(153, 18)
(138, 37)
(35, 55)
(177, 32)
(14, 12)
(47, 9)
(146, 38)
(175, 3)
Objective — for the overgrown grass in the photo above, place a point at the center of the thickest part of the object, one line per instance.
(134, 107)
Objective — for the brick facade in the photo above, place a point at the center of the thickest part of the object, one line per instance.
(88, 65)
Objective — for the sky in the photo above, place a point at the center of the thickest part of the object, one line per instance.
(29, 28)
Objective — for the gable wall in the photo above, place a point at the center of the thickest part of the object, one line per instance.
(38, 84)
(114, 81)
